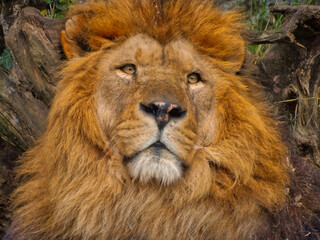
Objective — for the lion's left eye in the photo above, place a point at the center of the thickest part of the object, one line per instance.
(194, 78)
(128, 69)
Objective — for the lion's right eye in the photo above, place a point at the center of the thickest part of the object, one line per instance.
(128, 69)
(194, 78)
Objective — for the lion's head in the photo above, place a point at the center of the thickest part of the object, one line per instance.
(153, 133)
(161, 105)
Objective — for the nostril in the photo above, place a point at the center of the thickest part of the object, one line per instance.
(177, 112)
(147, 109)
(151, 108)
(154, 108)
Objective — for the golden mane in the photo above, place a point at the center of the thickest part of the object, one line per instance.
(212, 32)
(74, 185)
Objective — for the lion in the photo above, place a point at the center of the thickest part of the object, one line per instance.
(154, 132)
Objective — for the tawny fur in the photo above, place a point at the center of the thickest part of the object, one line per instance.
(75, 182)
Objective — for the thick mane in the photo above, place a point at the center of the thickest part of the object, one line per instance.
(213, 33)
(74, 178)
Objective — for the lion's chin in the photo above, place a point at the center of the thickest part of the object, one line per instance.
(155, 164)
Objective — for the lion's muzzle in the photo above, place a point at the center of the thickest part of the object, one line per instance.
(159, 159)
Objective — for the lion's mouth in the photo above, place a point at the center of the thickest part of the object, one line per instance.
(156, 162)
(158, 145)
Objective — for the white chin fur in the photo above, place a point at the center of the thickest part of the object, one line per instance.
(158, 164)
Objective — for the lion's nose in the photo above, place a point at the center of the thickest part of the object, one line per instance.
(163, 112)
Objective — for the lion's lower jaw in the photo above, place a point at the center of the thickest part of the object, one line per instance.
(155, 164)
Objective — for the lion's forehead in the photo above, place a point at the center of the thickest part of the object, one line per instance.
(144, 50)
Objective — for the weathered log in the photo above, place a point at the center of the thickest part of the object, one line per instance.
(7, 157)
(26, 92)
(289, 72)
(299, 23)
(292, 73)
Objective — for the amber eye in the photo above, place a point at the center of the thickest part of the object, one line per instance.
(194, 78)
(128, 69)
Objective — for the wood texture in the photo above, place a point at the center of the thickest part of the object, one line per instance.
(290, 72)
(26, 92)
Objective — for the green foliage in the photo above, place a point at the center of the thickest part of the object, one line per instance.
(6, 60)
(301, 2)
(277, 23)
(258, 15)
(56, 8)
(261, 19)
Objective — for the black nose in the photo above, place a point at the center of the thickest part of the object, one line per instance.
(163, 112)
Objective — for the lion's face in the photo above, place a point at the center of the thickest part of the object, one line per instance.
(155, 100)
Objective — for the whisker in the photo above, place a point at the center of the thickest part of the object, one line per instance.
(108, 144)
(215, 155)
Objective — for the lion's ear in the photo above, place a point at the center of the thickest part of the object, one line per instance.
(221, 38)
(77, 39)
(234, 53)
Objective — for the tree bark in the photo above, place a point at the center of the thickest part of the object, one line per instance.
(26, 92)
(26, 89)
(290, 73)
